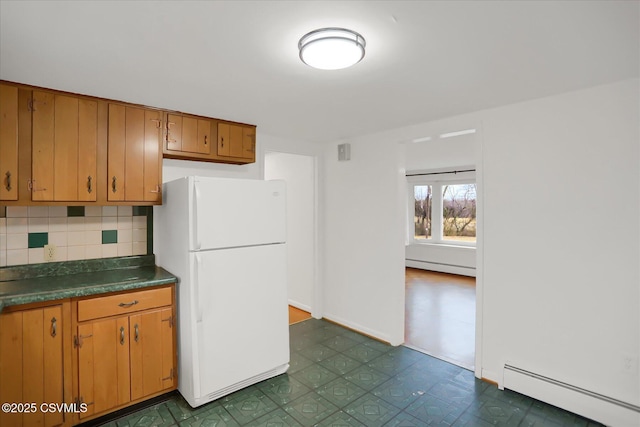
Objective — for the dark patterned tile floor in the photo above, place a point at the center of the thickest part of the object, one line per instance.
(340, 378)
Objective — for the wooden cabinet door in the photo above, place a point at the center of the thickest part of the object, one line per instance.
(64, 146)
(152, 355)
(204, 137)
(174, 132)
(223, 139)
(103, 364)
(8, 142)
(235, 141)
(134, 155)
(249, 143)
(31, 364)
(188, 134)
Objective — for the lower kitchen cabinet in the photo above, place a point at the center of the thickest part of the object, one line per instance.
(102, 353)
(32, 365)
(125, 358)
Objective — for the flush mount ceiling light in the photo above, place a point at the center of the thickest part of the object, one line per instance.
(331, 48)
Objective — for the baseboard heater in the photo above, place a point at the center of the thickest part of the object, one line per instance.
(599, 407)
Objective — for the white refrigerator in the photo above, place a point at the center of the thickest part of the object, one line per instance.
(225, 241)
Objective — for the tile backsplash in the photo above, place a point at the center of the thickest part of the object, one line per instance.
(78, 232)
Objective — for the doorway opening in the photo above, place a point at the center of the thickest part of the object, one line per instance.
(299, 173)
(440, 314)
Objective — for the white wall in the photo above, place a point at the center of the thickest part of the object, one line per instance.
(440, 153)
(561, 249)
(298, 171)
(364, 243)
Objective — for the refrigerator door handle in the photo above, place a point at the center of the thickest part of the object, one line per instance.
(196, 289)
(194, 220)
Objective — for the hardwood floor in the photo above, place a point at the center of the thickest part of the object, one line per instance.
(296, 315)
(441, 315)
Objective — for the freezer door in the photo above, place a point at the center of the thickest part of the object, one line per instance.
(241, 314)
(237, 212)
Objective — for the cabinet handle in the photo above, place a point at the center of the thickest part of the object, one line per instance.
(54, 327)
(8, 186)
(89, 184)
(205, 140)
(157, 190)
(113, 184)
(121, 335)
(158, 122)
(221, 141)
(128, 304)
(31, 106)
(137, 332)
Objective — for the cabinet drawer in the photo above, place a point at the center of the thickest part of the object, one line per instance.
(114, 305)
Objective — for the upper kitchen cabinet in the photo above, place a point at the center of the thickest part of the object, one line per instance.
(188, 134)
(236, 141)
(63, 147)
(8, 142)
(189, 138)
(134, 162)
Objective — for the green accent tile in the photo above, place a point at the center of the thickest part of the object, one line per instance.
(38, 240)
(75, 210)
(109, 236)
(140, 210)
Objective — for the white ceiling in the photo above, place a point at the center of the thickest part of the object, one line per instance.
(238, 60)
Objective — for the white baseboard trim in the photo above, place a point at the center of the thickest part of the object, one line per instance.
(301, 306)
(442, 268)
(358, 328)
(587, 403)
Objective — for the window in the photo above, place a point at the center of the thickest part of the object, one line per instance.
(422, 211)
(443, 211)
(459, 212)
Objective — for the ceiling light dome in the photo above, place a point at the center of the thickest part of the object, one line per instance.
(331, 48)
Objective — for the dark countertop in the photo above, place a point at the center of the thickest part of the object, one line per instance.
(41, 282)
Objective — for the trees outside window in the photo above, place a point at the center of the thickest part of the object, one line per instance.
(459, 212)
(444, 212)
